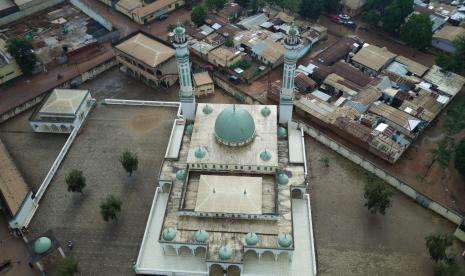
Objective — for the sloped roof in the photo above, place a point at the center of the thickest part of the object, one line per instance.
(146, 49)
(202, 78)
(449, 33)
(63, 102)
(373, 57)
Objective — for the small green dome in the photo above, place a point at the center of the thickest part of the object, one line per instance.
(282, 132)
(265, 111)
(42, 245)
(283, 179)
(169, 234)
(181, 175)
(225, 253)
(200, 152)
(234, 126)
(251, 239)
(292, 29)
(284, 240)
(189, 129)
(265, 155)
(207, 109)
(201, 236)
(179, 29)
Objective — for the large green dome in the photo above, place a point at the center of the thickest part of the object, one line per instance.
(42, 245)
(234, 126)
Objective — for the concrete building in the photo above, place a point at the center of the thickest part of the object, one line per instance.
(186, 90)
(203, 84)
(147, 58)
(224, 56)
(286, 99)
(9, 69)
(62, 111)
(445, 37)
(143, 13)
(372, 59)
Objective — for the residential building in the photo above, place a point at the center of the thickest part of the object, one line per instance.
(143, 13)
(203, 84)
(224, 56)
(353, 7)
(372, 59)
(445, 37)
(62, 111)
(147, 58)
(231, 11)
(9, 69)
(399, 119)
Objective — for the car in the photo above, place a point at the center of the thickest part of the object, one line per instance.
(350, 24)
(234, 79)
(162, 17)
(344, 17)
(336, 19)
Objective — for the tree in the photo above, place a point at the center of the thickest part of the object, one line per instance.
(215, 4)
(129, 161)
(243, 3)
(110, 207)
(332, 6)
(256, 5)
(378, 197)
(392, 18)
(22, 51)
(459, 161)
(229, 43)
(325, 161)
(447, 269)
(443, 152)
(371, 17)
(76, 181)
(453, 61)
(437, 245)
(198, 15)
(417, 32)
(310, 9)
(68, 267)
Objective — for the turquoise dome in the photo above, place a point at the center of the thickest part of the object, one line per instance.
(189, 129)
(207, 109)
(42, 245)
(181, 175)
(265, 155)
(265, 111)
(200, 152)
(201, 236)
(282, 132)
(225, 253)
(284, 240)
(234, 126)
(251, 239)
(169, 234)
(283, 179)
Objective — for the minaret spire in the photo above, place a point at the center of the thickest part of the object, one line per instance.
(186, 92)
(286, 99)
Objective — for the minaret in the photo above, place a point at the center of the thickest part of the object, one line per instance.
(186, 92)
(286, 99)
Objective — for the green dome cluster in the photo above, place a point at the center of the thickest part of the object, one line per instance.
(283, 179)
(207, 109)
(265, 155)
(284, 240)
(200, 152)
(181, 175)
(251, 239)
(265, 111)
(225, 253)
(201, 236)
(189, 129)
(282, 132)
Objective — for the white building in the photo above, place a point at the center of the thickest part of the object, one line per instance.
(62, 111)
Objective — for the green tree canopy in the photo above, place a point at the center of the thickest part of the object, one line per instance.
(332, 6)
(243, 3)
(371, 17)
(454, 61)
(129, 161)
(215, 4)
(110, 207)
(229, 43)
(437, 245)
(417, 32)
(378, 197)
(23, 53)
(198, 15)
(310, 9)
(447, 269)
(459, 161)
(68, 267)
(75, 181)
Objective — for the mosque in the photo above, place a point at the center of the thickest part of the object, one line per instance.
(232, 187)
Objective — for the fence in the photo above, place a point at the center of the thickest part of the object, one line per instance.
(393, 181)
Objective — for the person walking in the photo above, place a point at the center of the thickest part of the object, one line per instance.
(70, 245)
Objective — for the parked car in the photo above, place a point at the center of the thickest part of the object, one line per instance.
(336, 19)
(350, 24)
(162, 17)
(344, 17)
(234, 79)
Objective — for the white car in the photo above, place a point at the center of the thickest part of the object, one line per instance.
(344, 17)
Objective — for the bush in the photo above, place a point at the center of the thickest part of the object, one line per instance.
(459, 161)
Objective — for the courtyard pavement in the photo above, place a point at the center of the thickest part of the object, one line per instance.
(352, 241)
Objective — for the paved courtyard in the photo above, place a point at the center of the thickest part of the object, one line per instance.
(352, 241)
(107, 248)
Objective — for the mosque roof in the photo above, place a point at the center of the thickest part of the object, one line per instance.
(42, 245)
(234, 125)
